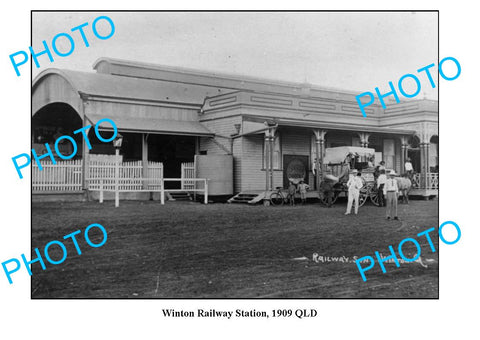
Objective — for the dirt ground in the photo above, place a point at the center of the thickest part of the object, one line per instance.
(191, 250)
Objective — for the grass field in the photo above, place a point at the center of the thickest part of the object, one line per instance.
(191, 250)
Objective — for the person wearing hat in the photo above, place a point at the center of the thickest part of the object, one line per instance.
(390, 191)
(354, 185)
(409, 168)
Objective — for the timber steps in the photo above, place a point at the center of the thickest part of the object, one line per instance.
(250, 197)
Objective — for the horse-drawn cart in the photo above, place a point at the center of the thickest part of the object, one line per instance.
(338, 164)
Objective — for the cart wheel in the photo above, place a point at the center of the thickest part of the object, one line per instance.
(323, 199)
(276, 199)
(363, 196)
(335, 196)
(373, 193)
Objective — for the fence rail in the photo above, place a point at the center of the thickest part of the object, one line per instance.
(133, 171)
(110, 185)
(66, 176)
(63, 176)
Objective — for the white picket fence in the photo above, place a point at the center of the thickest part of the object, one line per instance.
(130, 175)
(63, 176)
(66, 176)
(188, 172)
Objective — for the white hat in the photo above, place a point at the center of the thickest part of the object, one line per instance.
(354, 171)
(392, 173)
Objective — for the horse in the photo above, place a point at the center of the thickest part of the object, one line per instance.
(404, 185)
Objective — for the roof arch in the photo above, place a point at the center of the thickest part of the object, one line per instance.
(135, 105)
(54, 86)
(126, 88)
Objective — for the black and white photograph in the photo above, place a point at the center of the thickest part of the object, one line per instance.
(235, 155)
(253, 170)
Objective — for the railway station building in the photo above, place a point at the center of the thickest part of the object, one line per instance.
(246, 134)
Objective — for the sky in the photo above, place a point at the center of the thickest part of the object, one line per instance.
(355, 51)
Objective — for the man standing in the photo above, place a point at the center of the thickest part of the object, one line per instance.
(354, 185)
(390, 190)
(381, 180)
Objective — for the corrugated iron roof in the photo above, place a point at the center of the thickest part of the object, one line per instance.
(152, 125)
(106, 85)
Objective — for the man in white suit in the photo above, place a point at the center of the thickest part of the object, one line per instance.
(354, 185)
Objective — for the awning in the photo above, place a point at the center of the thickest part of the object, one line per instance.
(151, 125)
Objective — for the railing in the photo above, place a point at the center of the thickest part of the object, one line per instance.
(428, 181)
(432, 180)
(131, 185)
(188, 173)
